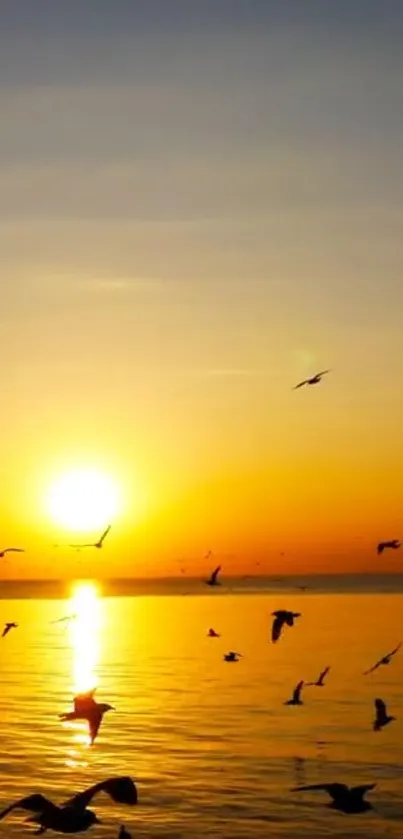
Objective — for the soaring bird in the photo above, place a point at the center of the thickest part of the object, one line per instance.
(281, 617)
(213, 634)
(382, 717)
(98, 544)
(231, 656)
(386, 659)
(320, 681)
(344, 798)
(7, 628)
(66, 619)
(73, 816)
(212, 580)
(314, 380)
(85, 708)
(394, 544)
(11, 550)
(296, 697)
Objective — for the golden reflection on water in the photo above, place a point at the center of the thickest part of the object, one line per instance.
(85, 637)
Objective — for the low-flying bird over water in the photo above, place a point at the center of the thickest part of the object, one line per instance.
(98, 544)
(386, 659)
(394, 544)
(213, 579)
(7, 628)
(213, 634)
(281, 617)
(73, 816)
(296, 697)
(66, 619)
(382, 717)
(320, 681)
(231, 656)
(85, 708)
(314, 380)
(11, 550)
(344, 798)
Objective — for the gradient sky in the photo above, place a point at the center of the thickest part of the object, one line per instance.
(200, 204)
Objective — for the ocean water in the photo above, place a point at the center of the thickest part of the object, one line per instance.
(212, 747)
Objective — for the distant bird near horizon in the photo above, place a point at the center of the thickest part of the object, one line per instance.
(296, 697)
(320, 682)
(213, 581)
(393, 544)
(213, 634)
(382, 717)
(86, 708)
(231, 656)
(11, 550)
(98, 544)
(314, 380)
(7, 628)
(386, 659)
(345, 799)
(282, 617)
(73, 816)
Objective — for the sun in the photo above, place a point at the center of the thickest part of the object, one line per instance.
(83, 499)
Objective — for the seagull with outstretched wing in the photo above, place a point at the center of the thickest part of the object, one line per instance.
(314, 380)
(392, 544)
(320, 681)
(12, 551)
(8, 627)
(382, 717)
(344, 798)
(296, 696)
(386, 659)
(86, 708)
(98, 544)
(282, 617)
(213, 579)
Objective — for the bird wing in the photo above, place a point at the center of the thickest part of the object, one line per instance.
(381, 547)
(277, 627)
(395, 650)
(360, 791)
(105, 533)
(215, 574)
(334, 790)
(93, 723)
(371, 669)
(324, 673)
(35, 803)
(322, 373)
(13, 550)
(300, 384)
(6, 630)
(297, 691)
(86, 545)
(380, 709)
(122, 790)
(83, 700)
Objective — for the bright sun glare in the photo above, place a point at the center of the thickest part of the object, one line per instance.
(83, 499)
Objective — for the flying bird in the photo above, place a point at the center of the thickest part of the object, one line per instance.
(296, 697)
(382, 717)
(98, 544)
(11, 550)
(7, 628)
(346, 799)
(66, 619)
(73, 816)
(394, 544)
(386, 659)
(213, 634)
(281, 617)
(320, 681)
(231, 656)
(213, 581)
(86, 708)
(314, 380)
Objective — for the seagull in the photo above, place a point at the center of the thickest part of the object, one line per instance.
(98, 544)
(296, 697)
(344, 798)
(11, 550)
(385, 660)
(66, 619)
(281, 617)
(320, 683)
(394, 544)
(314, 380)
(85, 708)
(213, 634)
(73, 816)
(7, 628)
(382, 717)
(231, 656)
(212, 581)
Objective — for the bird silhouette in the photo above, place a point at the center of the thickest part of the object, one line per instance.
(394, 544)
(320, 682)
(314, 380)
(73, 816)
(65, 619)
(346, 799)
(213, 634)
(281, 617)
(7, 628)
(11, 550)
(123, 833)
(212, 580)
(386, 659)
(296, 697)
(98, 544)
(231, 656)
(382, 717)
(86, 708)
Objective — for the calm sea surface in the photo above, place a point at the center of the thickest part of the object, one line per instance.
(211, 745)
